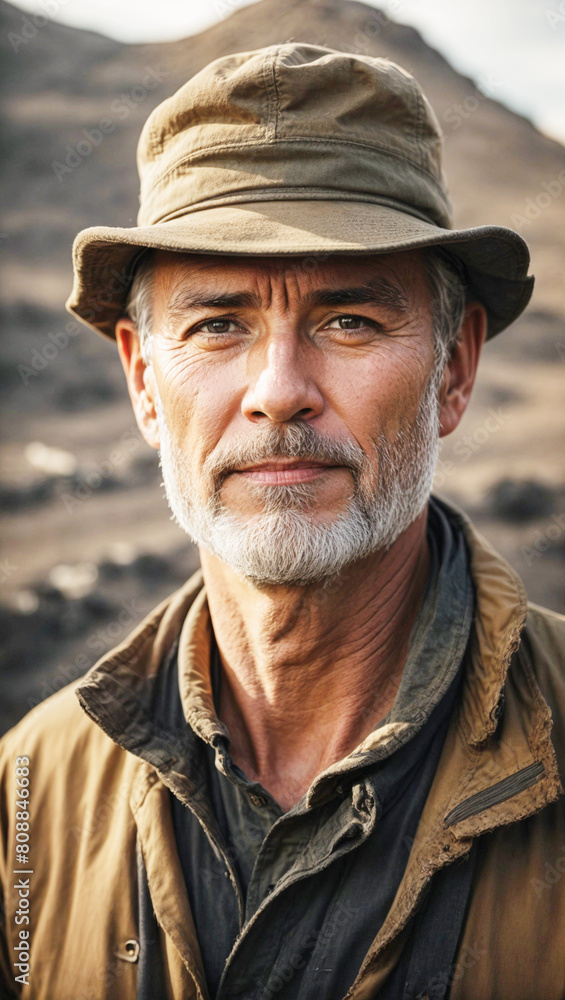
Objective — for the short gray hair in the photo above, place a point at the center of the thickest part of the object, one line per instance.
(139, 304)
(448, 292)
(447, 288)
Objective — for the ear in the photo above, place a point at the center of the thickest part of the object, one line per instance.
(461, 369)
(140, 380)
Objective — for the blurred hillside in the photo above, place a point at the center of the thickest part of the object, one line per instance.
(89, 547)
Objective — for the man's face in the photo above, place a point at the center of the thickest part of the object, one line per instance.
(297, 416)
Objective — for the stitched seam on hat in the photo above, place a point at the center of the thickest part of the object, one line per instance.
(276, 89)
(420, 115)
(271, 104)
(228, 147)
(291, 193)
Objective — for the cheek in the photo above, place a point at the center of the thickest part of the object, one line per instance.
(378, 393)
(198, 399)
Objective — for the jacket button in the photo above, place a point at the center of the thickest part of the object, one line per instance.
(258, 800)
(128, 952)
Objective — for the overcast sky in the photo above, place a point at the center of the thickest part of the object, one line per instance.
(514, 49)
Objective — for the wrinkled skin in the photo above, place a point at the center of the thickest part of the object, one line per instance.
(299, 670)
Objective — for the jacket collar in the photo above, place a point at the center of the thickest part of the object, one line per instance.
(497, 765)
(488, 750)
(501, 615)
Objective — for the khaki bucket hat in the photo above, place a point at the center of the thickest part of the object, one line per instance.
(302, 150)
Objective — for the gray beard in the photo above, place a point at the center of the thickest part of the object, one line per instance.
(286, 544)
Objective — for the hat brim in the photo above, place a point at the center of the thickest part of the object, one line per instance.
(495, 259)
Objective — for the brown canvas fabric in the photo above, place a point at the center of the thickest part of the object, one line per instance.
(497, 781)
(295, 149)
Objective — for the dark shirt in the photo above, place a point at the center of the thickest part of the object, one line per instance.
(309, 888)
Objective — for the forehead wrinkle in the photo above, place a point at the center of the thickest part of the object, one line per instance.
(194, 296)
(374, 289)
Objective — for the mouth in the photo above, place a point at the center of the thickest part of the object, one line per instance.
(284, 472)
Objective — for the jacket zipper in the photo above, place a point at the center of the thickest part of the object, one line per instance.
(505, 789)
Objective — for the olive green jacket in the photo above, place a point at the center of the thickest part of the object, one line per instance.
(90, 799)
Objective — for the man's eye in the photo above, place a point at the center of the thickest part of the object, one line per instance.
(350, 322)
(218, 326)
(347, 322)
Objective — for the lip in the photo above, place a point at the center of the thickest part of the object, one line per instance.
(281, 473)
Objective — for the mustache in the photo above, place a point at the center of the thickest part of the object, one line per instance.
(296, 440)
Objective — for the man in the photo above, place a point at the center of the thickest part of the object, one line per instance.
(326, 766)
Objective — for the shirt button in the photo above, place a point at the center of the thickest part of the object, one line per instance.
(258, 800)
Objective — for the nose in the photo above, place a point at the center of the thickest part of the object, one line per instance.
(283, 388)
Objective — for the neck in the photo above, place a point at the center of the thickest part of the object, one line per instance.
(308, 672)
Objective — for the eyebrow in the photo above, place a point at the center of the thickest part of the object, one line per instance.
(185, 301)
(375, 291)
